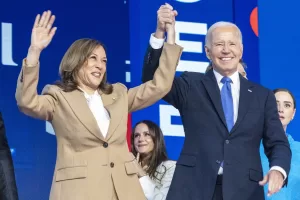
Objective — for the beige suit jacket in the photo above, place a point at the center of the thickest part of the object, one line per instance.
(89, 166)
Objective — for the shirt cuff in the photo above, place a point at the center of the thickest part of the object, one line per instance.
(156, 43)
(280, 169)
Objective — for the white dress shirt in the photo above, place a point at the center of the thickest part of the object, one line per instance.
(158, 189)
(96, 106)
(156, 43)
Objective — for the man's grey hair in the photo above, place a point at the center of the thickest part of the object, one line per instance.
(217, 25)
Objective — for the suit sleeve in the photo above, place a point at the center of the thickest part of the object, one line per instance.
(151, 63)
(275, 142)
(3, 139)
(29, 102)
(151, 91)
(180, 87)
(8, 187)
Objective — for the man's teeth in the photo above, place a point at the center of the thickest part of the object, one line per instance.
(225, 59)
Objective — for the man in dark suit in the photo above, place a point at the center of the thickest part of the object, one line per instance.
(8, 188)
(225, 117)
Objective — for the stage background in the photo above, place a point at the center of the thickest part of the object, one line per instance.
(125, 28)
(279, 32)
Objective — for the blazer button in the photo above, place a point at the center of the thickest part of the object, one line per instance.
(105, 144)
(112, 164)
(227, 141)
(218, 162)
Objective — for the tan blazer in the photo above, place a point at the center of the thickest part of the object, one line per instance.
(89, 166)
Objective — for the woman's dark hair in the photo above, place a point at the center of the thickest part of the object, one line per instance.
(288, 91)
(159, 153)
(75, 57)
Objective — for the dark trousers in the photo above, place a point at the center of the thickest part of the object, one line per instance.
(218, 194)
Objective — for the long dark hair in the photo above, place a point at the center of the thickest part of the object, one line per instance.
(288, 91)
(73, 60)
(159, 153)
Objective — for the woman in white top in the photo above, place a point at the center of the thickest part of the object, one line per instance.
(149, 147)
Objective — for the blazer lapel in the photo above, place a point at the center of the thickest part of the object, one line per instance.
(114, 112)
(78, 103)
(244, 100)
(213, 90)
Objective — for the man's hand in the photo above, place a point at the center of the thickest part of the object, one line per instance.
(275, 180)
(165, 14)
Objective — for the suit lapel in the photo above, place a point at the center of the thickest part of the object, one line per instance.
(213, 90)
(244, 100)
(114, 112)
(78, 103)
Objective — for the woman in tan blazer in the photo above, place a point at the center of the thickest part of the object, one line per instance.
(89, 116)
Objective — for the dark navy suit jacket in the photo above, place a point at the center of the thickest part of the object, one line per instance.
(208, 142)
(8, 188)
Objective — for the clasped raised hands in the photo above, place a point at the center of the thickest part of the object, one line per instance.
(165, 19)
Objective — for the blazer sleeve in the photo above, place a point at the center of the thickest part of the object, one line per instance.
(29, 102)
(160, 193)
(275, 142)
(151, 91)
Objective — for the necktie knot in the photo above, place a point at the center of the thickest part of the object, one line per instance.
(226, 79)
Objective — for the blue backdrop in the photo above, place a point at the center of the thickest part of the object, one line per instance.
(125, 28)
(279, 40)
